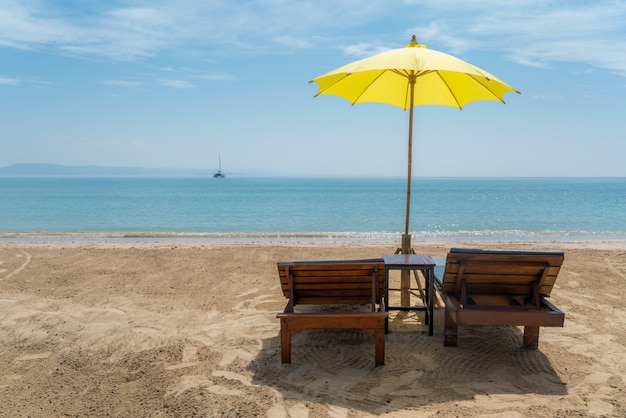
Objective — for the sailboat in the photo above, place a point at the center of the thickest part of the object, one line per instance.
(219, 174)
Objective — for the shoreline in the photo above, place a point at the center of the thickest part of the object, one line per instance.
(390, 246)
(617, 239)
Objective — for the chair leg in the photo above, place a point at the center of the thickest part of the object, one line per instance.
(450, 329)
(379, 346)
(531, 337)
(285, 346)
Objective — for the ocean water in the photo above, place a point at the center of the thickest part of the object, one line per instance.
(312, 209)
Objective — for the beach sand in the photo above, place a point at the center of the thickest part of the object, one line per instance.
(190, 330)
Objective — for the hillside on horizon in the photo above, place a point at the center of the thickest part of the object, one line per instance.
(44, 170)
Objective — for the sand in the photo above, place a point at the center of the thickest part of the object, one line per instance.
(190, 330)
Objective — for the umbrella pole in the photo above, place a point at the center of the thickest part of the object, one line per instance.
(405, 276)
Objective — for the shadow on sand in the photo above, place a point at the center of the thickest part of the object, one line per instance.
(336, 367)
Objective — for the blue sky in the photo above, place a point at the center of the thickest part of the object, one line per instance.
(173, 84)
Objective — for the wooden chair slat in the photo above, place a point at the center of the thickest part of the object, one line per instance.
(333, 282)
(500, 287)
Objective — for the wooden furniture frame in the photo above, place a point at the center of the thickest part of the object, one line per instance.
(333, 282)
(499, 287)
(423, 263)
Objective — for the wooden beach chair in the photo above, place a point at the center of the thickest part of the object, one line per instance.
(499, 287)
(334, 282)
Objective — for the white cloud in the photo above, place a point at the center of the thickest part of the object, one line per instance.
(24, 81)
(529, 32)
(362, 50)
(547, 97)
(214, 76)
(12, 81)
(558, 31)
(535, 33)
(121, 31)
(122, 83)
(20, 28)
(178, 84)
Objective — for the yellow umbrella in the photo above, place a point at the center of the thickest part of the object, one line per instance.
(408, 77)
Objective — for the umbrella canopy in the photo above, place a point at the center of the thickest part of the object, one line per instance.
(412, 76)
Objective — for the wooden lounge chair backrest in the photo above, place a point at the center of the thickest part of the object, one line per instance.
(499, 287)
(333, 281)
(495, 277)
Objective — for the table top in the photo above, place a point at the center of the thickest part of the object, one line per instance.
(406, 260)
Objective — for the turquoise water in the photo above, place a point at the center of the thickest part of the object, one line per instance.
(336, 209)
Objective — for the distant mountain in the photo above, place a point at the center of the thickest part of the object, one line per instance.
(56, 170)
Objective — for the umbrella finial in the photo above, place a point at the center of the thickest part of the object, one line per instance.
(414, 43)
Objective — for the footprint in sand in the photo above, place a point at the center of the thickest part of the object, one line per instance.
(189, 359)
(189, 382)
(246, 380)
(251, 304)
(190, 353)
(232, 355)
(277, 411)
(615, 270)
(145, 330)
(193, 381)
(183, 365)
(221, 390)
(248, 292)
(392, 384)
(115, 311)
(20, 268)
(299, 410)
(31, 357)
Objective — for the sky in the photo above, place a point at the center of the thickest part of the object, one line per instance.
(177, 84)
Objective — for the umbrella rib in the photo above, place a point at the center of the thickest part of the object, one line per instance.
(368, 86)
(329, 86)
(407, 93)
(443, 80)
(473, 77)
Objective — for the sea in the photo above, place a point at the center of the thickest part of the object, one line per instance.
(311, 209)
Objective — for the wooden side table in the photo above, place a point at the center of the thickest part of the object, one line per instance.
(426, 265)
